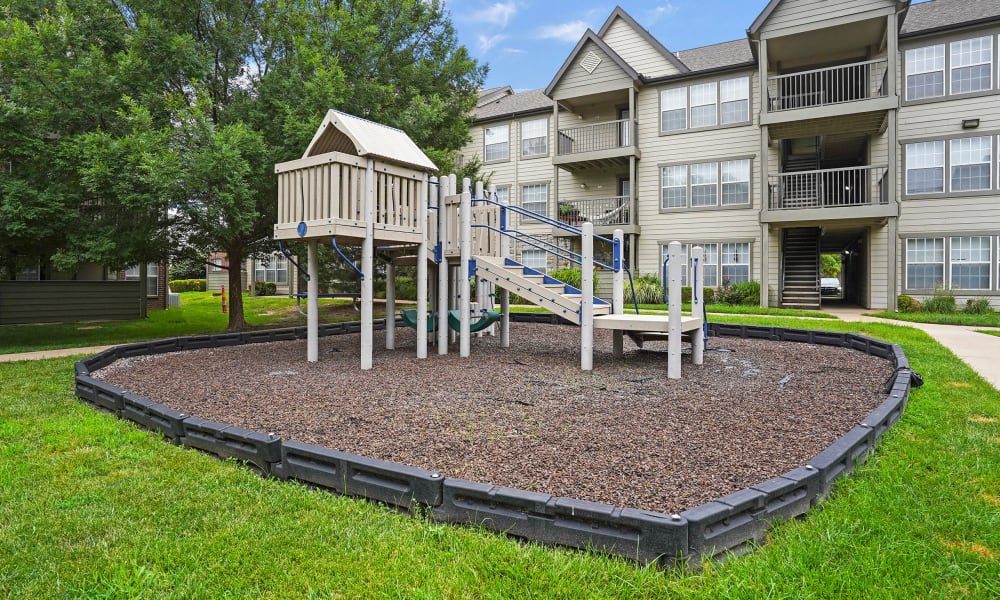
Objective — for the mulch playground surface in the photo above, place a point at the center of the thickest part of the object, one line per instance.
(527, 417)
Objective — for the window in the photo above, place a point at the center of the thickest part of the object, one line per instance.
(132, 273)
(674, 106)
(28, 270)
(734, 97)
(497, 146)
(503, 194)
(972, 65)
(971, 163)
(701, 182)
(704, 184)
(703, 105)
(673, 190)
(735, 262)
(535, 259)
(534, 137)
(925, 167)
(735, 182)
(535, 198)
(273, 269)
(925, 72)
(970, 263)
(711, 265)
(924, 263)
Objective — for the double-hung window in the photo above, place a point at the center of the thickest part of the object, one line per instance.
(535, 259)
(497, 143)
(534, 137)
(133, 273)
(673, 104)
(710, 184)
(924, 263)
(925, 72)
(711, 262)
(972, 65)
(970, 262)
(273, 269)
(971, 164)
(734, 98)
(735, 262)
(925, 167)
(673, 187)
(704, 184)
(725, 102)
(735, 182)
(535, 198)
(703, 105)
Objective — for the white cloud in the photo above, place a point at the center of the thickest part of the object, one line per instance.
(497, 14)
(514, 50)
(564, 32)
(655, 14)
(488, 41)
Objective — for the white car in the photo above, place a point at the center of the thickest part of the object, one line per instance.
(830, 286)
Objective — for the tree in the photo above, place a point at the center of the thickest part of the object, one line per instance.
(830, 265)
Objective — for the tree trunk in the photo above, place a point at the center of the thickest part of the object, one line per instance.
(235, 289)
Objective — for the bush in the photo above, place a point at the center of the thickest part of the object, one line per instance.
(188, 285)
(572, 277)
(942, 302)
(707, 294)
(745, 293)
(978, 306)
(264, 288)
(907, 304)
(648, 290)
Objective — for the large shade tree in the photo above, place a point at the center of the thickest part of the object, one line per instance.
(199, 99)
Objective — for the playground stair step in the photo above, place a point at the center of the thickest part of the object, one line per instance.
(551, 294)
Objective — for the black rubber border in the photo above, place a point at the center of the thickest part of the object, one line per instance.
(730, 524)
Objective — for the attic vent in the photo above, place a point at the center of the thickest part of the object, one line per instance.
(590, 62)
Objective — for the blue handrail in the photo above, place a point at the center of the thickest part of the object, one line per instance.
(540, 218)
(543, 245)
(349, 262)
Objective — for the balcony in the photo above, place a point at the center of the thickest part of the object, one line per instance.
(829, 194)
(614, 210)
(834, 91)
(607, 143)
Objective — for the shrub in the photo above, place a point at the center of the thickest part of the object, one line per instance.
(942, 302)
(907, 304)
(572, 277)
(648, 290)
(978, 306)
(746, 293)
(264, 288)
(188, 285)
(707, 294)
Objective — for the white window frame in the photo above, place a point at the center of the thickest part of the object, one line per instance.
(724, 92)
(534, 262)
(704, 177)
(723, 263)
(702, 92)
(722, 176)
(911, 61)
(152, 279)
(528, 192)
(744, 166)
(664, 187)
(954, 64)
(912, 156)
(964, 161)
(711, 262)
(923, 253)
(670, 102)
(964, 256)
(732, 91)
(494, 146)
(541, 124)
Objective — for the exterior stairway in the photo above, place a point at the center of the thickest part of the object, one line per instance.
(549, 293)
(800, 269)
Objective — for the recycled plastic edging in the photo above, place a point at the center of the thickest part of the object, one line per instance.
(730, 524)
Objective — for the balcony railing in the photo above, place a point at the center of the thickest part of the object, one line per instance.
(829, 188)
(822, 87)
(596, 137)
(614, 210)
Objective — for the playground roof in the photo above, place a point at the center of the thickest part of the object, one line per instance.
(341, 132)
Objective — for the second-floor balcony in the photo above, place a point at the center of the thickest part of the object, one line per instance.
(851, 187)
(602, 212)
(609, 141)
(847, 87)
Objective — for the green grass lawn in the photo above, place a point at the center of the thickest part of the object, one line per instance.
(989, 332)
(92, 507)
(712, 308)
(987, 320)
(199, 313)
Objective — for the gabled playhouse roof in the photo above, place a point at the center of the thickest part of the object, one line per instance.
(341, 132)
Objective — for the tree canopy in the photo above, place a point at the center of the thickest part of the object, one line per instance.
(131, 130)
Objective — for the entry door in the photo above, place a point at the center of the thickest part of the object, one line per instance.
(624, 127)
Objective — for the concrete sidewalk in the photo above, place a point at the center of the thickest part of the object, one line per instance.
(978, 350)
(43, 354)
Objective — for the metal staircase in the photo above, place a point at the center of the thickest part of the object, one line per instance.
(551, 294)
(800, 268)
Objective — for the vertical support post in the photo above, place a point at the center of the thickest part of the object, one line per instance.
(765, 257)
(465, 254)
(618, 289)
(587, 301)
(674, 267)
(504, 292)
(368, 270)
(697, 303)
(390, 306)
(312, 302)
(422, 269)
(443, 297)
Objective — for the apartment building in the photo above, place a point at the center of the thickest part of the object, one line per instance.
(864, 128)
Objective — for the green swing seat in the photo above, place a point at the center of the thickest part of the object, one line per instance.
(409, 316)
(489, 317)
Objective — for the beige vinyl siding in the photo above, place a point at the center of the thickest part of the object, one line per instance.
(944, 118)
(877, 290)
(774, 266)
(805, 13)
(636, 51)
(576, 81)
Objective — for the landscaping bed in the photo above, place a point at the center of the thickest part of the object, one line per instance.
(526, 417)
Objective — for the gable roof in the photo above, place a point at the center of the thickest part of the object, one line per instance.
(770, 8)
(928, 17)
(590, 36)
(490, 94)
(717, 56)
(619, 13)
(341, 132)
(513, 104)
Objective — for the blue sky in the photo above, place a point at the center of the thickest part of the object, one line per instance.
(526, 41)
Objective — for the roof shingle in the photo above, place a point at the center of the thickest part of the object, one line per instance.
(928, 16)
(516, 103)
(726, 54)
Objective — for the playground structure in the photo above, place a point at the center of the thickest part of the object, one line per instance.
(362, 183)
